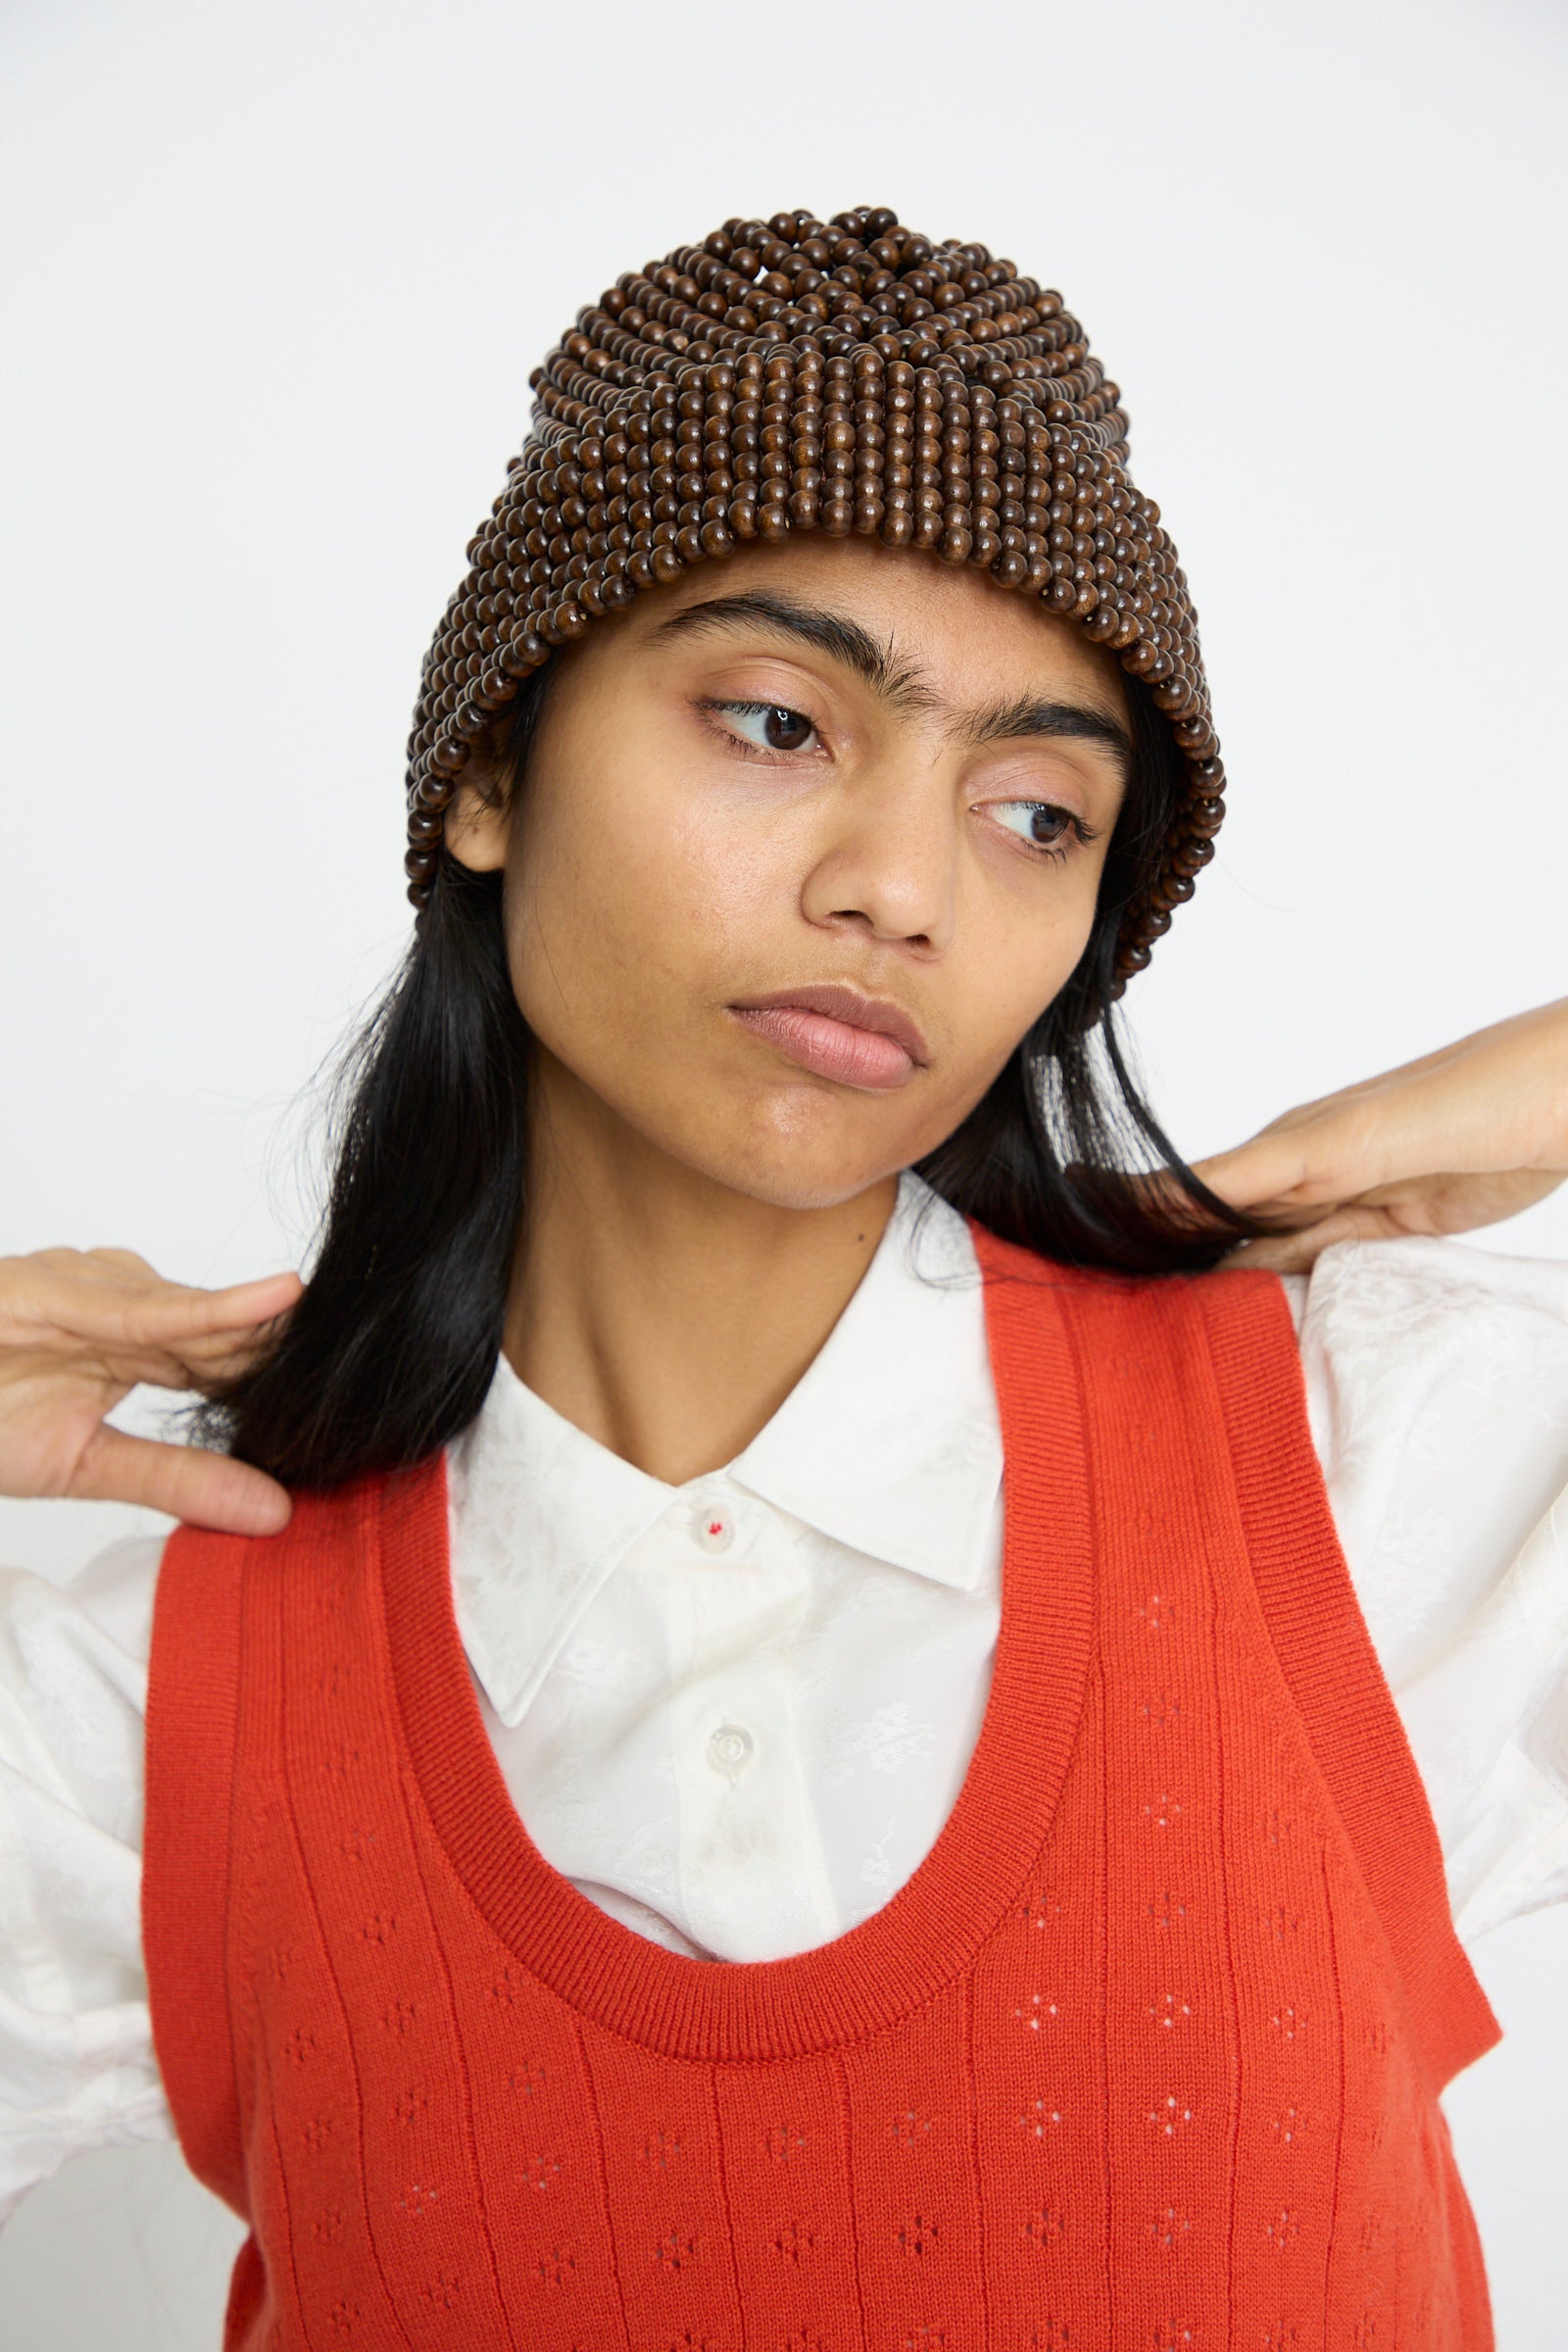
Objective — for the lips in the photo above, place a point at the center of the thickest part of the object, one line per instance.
(860, 1041)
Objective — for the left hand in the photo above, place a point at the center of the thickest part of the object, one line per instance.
(1475, 1132)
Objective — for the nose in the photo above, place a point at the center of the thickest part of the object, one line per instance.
(888, 859)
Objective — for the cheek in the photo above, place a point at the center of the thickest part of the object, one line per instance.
(1018, 950)
(630, 908)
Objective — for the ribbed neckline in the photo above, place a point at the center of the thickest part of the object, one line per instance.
(930, 1930)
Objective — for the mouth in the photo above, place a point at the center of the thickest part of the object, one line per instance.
(834, 1031)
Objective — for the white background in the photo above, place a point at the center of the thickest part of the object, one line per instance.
(276, 276)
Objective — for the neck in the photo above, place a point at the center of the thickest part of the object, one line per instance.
(658, 1309)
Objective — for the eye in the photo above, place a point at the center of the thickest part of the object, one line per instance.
(1042, 825)
(766, 726)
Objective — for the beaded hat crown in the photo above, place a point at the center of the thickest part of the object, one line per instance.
(845, 375)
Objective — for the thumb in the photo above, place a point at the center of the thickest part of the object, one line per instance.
(208, 1490)
(1267, 1168)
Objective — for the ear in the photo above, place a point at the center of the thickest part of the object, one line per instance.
(478, 826)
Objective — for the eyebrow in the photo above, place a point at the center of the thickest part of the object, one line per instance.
(896, 681)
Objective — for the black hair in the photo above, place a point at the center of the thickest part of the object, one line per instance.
(391, 1349)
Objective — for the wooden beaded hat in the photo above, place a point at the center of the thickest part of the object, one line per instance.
(849, 375)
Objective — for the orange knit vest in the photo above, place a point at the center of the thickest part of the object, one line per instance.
(1145, 2057)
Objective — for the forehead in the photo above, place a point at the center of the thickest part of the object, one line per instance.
(973, 640)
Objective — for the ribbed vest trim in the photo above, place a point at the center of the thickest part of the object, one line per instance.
(1325, 1651)
(927, 1933)
(192, 1717)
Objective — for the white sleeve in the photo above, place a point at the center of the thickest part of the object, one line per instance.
(1437, 1380)
(77, 2064)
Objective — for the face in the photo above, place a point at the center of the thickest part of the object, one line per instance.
(805, 844)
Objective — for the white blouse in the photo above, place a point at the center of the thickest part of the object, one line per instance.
(737, 1713)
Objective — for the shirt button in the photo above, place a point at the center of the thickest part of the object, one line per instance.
(715, 1529)
(730, 1751)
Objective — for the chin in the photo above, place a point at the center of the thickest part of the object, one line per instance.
(789, 1190)
(794, 1171)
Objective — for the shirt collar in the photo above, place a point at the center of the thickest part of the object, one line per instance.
(888, 1443)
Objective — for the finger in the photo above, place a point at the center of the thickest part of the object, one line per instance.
(1291, 1255)
(174, 1311)
(214, 1368)
(207, 1362)
(127, 1261)
(1457, 1204)
(110, 1372)
(208, 1490)
(1161, 1190)
(222, 1355)
(1298, 1252)
(159, 1316)
(1270, 1169)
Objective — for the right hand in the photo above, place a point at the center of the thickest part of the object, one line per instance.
(78, 1329)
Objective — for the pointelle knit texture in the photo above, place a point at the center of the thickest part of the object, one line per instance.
(1146, 2054)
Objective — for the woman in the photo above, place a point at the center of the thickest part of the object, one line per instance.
(986, 1664)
